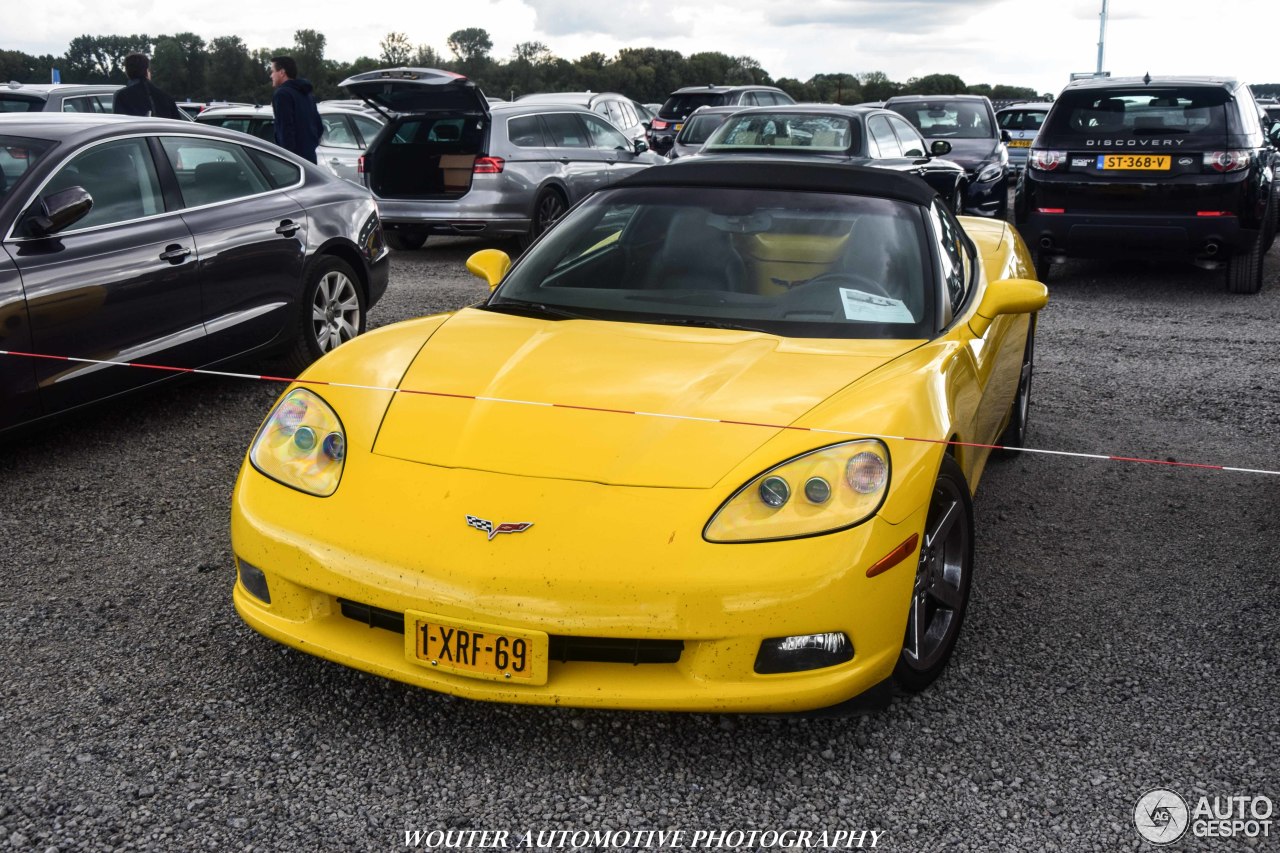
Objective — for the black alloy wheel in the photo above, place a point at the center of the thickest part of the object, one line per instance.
(332, 310)
(1015, 434)
(941, 590)
(547, 210)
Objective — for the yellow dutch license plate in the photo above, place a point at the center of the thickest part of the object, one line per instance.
(1135, 162)
(476, 650)
(679, 127)
(1020, 143)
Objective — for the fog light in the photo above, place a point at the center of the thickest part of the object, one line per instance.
(253, 580)
(801, 653)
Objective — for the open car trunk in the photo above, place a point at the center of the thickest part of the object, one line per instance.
(439, 125)
(427, 156)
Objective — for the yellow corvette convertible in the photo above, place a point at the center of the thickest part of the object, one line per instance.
(709, 445)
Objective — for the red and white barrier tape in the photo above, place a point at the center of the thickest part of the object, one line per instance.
(845, 433)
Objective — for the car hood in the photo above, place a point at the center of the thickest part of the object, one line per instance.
(970, 153)
(560, 399)
(417, 90)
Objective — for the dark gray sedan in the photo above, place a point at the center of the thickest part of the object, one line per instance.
(145, 240)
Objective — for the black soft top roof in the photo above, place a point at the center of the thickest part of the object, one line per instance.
(776, 173)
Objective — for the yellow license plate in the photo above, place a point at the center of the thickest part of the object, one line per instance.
(476, 650)
(1135, 162)
(1020, 143)
(679, 127)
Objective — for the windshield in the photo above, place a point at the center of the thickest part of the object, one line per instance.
(1181, 111)
(800, 264)
(1015, 119)
(943, 119)
(790, 131)
(698, 129)
(17, 155)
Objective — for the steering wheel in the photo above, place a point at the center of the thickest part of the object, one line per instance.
(852, 280)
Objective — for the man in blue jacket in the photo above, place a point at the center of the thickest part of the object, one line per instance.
(298, 126)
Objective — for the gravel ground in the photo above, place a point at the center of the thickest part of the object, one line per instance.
(1122, 635)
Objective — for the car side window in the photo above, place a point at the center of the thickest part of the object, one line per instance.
(953, 254)
(279, 171)
(121, 178)
(912, 142)
(367, 128)
(83, 104)
(210, 171)
(882, 135)
(605, 136)
(629, 117)
(337, 133)
(564, 130)
(525, 132)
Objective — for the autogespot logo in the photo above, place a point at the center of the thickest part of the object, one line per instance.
(1161, 816)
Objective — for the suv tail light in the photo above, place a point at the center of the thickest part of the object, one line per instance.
(659, 124)
(1046, 161)
(488, 165)
(1226, 161)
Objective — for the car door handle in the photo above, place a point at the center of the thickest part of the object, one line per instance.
(287, 228)
(174, 254)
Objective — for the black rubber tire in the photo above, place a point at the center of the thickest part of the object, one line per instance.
(406, 239)
(1244, 271)
(331, 313)
(956, 204)
(942, 621)
(1043, 266)
(1015, 434)
(548, 208)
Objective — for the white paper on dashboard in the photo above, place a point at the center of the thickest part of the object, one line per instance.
(870, 308)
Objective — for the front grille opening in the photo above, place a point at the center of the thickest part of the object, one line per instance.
(562, 648)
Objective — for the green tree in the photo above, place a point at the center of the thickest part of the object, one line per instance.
(471, 48)
(100, 59)
(178, 65)
(25, 68)
(427, 57)
(876, 86)
(232, 74)
(936, 84)
(396, 49)
(836, 88)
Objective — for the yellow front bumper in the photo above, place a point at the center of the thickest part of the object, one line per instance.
(599, 561)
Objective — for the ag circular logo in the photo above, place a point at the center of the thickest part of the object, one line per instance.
(1161, 816)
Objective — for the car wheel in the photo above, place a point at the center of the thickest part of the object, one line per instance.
(1043, 265)
(406, 239)
(333, 310)
(941, 589)
(549, 207)
(957, 199)
(1015, 434)
(1244, 271)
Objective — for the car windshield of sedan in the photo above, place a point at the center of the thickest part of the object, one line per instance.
(789, 131)
(698, 129)
(948, 119)
(797, 264)
(17, 155)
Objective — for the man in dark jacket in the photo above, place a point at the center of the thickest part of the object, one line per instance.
(140, 97)
(298, 125)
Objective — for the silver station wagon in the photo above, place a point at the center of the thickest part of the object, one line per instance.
(450, 162)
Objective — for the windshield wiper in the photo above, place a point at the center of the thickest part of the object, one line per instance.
(536, 309)
(707, 323)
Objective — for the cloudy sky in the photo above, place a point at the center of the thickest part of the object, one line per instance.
(1036, 44)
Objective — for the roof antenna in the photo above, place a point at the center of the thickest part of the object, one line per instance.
(1146, 78)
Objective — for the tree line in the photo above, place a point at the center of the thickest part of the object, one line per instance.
(225, 68)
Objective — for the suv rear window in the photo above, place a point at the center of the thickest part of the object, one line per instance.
(1020, 119)
(682, 105)
(1181, 111)
(19, 104)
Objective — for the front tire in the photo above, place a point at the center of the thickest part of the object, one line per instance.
(406, 239)
(940, 594)
(333, 310)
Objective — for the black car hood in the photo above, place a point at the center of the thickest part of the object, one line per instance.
(970, 153)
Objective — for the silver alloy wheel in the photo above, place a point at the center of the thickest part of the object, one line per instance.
(938, 596)
(335, 310)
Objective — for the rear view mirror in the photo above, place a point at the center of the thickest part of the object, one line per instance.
(56, 211)
(940, 148)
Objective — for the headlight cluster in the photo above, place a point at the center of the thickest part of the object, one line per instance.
(302, 444)
(825, 490)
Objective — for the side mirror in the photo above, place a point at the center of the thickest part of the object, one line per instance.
(646, 125)
(490, 265)
(1005, 137)
(940, 148)
(1008, 296)
(56, 211)
(640, 146)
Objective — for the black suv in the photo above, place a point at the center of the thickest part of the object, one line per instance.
(1152, 165)
(663, 129)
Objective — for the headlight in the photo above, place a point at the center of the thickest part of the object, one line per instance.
(990, 172)
(302, 444)
(820, 492)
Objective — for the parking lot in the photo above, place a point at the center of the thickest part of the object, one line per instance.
(1121, 634)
